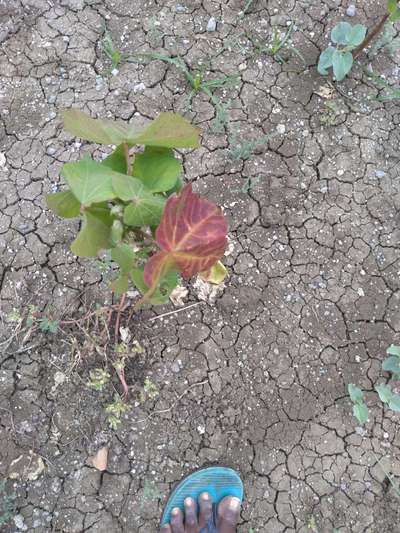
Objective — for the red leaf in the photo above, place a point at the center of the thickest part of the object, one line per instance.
(191, 235)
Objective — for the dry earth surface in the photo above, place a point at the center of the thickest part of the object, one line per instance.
(256, 380)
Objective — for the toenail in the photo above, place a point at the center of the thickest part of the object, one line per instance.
(189, 502)
(204, 496)
(175, 511)
(234, 505)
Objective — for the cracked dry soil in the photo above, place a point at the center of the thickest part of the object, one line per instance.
(258, 380)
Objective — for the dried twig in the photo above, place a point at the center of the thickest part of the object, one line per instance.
(175, 311)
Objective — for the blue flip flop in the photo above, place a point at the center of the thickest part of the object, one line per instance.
(217, 481)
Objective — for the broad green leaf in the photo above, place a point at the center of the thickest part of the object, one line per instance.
(394, 403)
(355, 393)
(395, 16)
(393, 350)
(144, 211)
(216, 274)
(101, 131)
(392, 6)
(116, 160)
(90, 181)
(124, 256)
(176, 188)
(385, 392)
(64, 204)
(120, 284)
(171, 131)
(128, 188)
(94, 234)
(157, 168)
(325, 60)
(161, 294)
(168, 129)
(340, 33)
(392, 364)
(357, 35)
(342, 63)
(360, 411)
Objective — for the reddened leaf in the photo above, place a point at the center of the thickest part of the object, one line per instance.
(191, 236)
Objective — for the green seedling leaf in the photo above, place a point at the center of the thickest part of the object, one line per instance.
(340, 33)
(342, 63)
(394, 403)
(64, 204)
(145, 210)
(385, 393)
(157, 168)
(166, 286)
(325, 60)
(393, 350)
(170, 131)
(395, 16)
(94, 234)
(392, 6)
(90, 182)
(392, 364)
(355, 393)
(124, 256)
(357, 35)
(48, 326)
(116, 160)
(120, 285)
(360, 411)
(127, 188)
(101, 131)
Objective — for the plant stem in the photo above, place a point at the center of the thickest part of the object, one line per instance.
(371, 35)
(128, 159)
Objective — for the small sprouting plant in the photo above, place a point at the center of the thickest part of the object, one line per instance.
(346, 38)
(98, 379)
(137, 207)
(249, 184)
(279, 42)
(150, 391)
(196, 79)
(111, 51)
(241, 149)
(48, 326)
(386, 395)
(115, 410)
(6, 504)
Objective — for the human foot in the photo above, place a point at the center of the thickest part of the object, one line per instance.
(198, 515)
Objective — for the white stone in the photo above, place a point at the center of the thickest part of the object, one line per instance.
(211, 24)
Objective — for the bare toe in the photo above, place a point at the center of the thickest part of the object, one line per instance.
(205, 504)
(191, 524)
(228, 514)
(177, 521)
(166, 529)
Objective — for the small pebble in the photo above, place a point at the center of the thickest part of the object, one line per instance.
(114, 71)
(51, 99)
(380, 173)
(281, 128)
(51, 150)
(180, 9)
(211, 24)
(351, 10)
(139, 87)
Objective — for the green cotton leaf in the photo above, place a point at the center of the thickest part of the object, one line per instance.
(124, 256)
(128, 188)
(357, 35)
(157, 168)
(169, 130)
(94, 234)
(355, 393)
(176, 188)
(342, 63)
(395, 16)
(90, 181)
(394, 403)
(392, 364)
(64, 204)
(145, 211)
(385, 393)
(325, 60)
(393, 350)
(120, 284)
(101, 131)
(116, 160)
(340, 33)
(360, 411)
(117, 231)
(392, 6)
(166, 286)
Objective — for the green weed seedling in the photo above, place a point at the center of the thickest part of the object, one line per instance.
(390, 92)
(149, 392)
(386, 395)
(241, 150)
(195, 79)
(98, 379)
(345, 38)
(279, 42)
(115, 410)
(111, 51)
(136, 206)
(48, 326)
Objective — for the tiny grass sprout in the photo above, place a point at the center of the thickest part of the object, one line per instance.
(241, 150)
(346, 38)
(98, 379)
(279, 42)
(389, 92)
(111, 51)
(248, 185)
